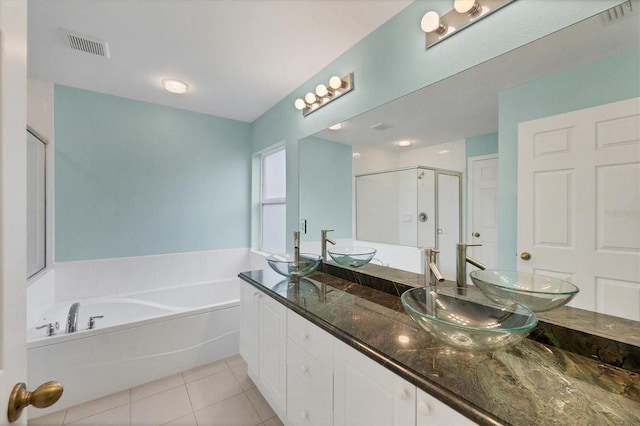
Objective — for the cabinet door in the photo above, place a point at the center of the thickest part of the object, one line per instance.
(366, 393)
(273, 350)
(249, 326)
(430, 411)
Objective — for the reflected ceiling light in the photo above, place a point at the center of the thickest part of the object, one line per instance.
(467, 6)
(357, 155)
(336, 126)
(324, 94)
(403, 338)
(174, 86)
(404, 143)
(431, 22)
(464, 13)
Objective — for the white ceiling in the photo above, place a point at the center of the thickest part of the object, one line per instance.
(240, 57)
(466, 104)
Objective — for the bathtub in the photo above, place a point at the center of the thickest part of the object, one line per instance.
(142, 337)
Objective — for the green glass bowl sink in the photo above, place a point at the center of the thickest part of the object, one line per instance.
(466, 321)
(351, 256)
(285, 264)
(537, 292)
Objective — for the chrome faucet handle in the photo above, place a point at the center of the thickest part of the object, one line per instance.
(92, 321)
(51, 328)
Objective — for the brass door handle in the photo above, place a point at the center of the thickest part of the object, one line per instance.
(44, 396)
(525, 256)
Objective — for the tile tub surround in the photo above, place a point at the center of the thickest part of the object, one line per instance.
(612, 340)
(216, 393)
(530, 383)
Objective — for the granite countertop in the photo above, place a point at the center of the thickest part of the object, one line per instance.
(530, 383)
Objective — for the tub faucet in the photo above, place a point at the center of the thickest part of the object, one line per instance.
(325, 240)
(72, 318)
(432, 275)
(461, 263)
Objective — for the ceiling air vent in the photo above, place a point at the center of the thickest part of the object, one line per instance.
(381, 126)
(85, 43)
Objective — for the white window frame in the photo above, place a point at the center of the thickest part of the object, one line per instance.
(268, 201)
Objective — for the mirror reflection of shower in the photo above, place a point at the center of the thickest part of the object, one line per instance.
(417, 206)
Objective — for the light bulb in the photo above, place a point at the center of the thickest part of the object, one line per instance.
(466, 6)
(336, 126)
(174, 86)
(404, 143)
(310, 98)
(321, 90)
(431, 23)
(335, 82)
(300, 104)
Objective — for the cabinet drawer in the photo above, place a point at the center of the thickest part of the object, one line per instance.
(311, 338)
(315, 376)
(304, 407)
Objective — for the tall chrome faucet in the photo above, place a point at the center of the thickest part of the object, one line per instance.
(432, 275)
(461, 263)
(324, 239)
(72, 318)
(296, 247)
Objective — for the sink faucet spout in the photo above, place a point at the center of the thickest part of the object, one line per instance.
(432, 275)
(324, 239)
(461, 264)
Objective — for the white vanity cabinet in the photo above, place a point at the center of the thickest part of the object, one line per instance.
(263, 344)
(309, 373)
(430, 411)
(366, 393)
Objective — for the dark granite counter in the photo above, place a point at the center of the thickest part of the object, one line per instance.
(530, 383)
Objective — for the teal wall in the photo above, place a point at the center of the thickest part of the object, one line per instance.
(607, 80)
(482, 145)
(392, 62)
(326, 177)
(133, 178)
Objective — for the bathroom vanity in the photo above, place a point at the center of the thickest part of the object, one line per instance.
(330, 350)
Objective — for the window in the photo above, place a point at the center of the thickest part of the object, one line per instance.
(273, 202)
(36, 203)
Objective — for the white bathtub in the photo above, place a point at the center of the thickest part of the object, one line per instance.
(142, 337)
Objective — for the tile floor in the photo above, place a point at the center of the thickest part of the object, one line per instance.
(220, 393)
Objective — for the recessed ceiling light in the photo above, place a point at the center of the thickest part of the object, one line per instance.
(336, 126)
(404, 143)
(175, 86)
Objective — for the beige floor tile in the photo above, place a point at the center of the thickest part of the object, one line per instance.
(97, 406)
(235, 361)
(236, 410)
(205, 370)
(188, 420)
(118, 416)
(274, 421)
(157, 386)
(262, 407)
(240, 373)
(213, 389)
(161, 408)
(53, 419)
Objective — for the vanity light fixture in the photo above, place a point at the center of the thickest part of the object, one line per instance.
(175, 86)
(324, 94)
(464, 13)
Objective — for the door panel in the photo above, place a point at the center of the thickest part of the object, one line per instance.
(579, 203)
(483, 204)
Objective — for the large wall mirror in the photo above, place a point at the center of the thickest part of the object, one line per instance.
(469, 123)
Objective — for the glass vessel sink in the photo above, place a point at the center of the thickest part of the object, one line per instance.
(285, 264)
(465, 321)
(537, 292)
(351, 256)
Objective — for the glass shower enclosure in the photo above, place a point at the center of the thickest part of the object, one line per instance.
(416, 206)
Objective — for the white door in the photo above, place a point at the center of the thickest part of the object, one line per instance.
(483, 210)
(579, 203)
(13, 234)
